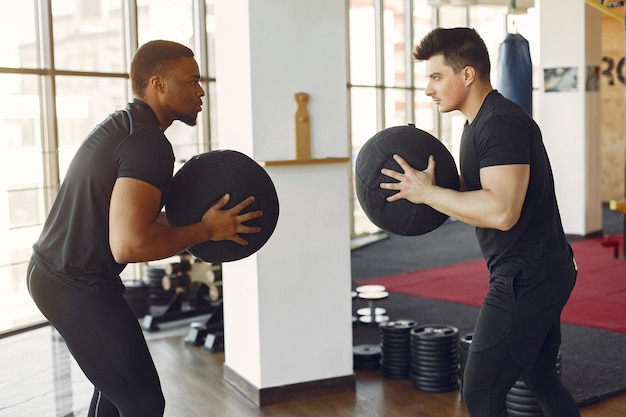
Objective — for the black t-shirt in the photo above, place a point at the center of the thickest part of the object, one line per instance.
(74, 243)
(503, 134)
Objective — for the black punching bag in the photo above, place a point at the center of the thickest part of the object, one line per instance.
(515, 71)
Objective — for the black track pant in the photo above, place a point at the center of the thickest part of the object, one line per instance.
(104, 336)
(518, 333)
(490, 374)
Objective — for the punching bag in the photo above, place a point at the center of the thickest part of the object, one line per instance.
(515, 71)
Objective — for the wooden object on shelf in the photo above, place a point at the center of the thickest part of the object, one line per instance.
(302, 127)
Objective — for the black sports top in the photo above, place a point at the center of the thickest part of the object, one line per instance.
(503, 133)
(74, 243)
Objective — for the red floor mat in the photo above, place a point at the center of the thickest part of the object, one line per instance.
(598, 300)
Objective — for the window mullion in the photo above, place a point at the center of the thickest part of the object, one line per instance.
(47, 104)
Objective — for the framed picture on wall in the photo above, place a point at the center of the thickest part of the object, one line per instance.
(560, 79)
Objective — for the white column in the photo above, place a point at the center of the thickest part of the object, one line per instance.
(287, 309)
(570, 34)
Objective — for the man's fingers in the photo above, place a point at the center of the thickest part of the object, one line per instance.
(251, 215)
(221, 203)
(243, 204)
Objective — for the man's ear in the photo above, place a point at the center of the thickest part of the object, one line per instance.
(469, 74)
(156, 83)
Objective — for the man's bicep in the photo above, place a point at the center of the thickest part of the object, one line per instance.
(134, 204)
(508, 183)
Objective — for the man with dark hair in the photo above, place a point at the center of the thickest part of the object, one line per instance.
(107, 214)
(508, 194)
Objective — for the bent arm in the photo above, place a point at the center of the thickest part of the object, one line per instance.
(137, 230)
(498, 205)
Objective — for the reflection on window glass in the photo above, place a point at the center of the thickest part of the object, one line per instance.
(88, 35)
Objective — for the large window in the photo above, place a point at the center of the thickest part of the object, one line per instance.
(64, 68)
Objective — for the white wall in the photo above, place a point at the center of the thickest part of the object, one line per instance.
(568, 120)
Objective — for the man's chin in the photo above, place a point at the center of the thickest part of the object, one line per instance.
(189, 121)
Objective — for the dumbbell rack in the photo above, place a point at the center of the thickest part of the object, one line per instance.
(179, 277)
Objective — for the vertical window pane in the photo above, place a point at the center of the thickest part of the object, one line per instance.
(210, 28)
(362, 43)
(364, 116)
(166, 19)
(21, 198)
(394, 40)
(422, 24)
(424, 112)
(211, 99)
(395, 107)
(82, 103)
(88, 35)
(18, 33)
(173, 21)
(492, 28)
(184, 140)
(452, 16)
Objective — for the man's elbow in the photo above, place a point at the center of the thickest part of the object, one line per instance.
(125, 252)
(507, 221)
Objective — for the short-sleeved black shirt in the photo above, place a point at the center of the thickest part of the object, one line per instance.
(74, 243)
(502, 134)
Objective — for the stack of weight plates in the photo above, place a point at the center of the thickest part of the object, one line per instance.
(366, 357)
(158, 295)
(521, 402)
(137, 295)
(395, 338)
(435, 358)
(464, 345)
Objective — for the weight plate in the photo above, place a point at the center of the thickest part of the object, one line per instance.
(434, 331)
(516, 399)
(400, 325)
(366, 351)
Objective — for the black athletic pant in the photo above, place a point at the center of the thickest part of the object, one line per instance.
(518, 333)
(104, 336)
(490, 374)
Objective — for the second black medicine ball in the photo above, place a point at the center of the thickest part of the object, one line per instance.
(401, 217)
(203, 180)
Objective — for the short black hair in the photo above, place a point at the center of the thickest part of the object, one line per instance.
(460, 47)
(155, 58)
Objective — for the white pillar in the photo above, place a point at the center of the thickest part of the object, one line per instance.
(570, 120)
(287, 308)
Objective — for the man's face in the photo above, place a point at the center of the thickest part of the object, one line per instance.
(184, 92)
(447, 89)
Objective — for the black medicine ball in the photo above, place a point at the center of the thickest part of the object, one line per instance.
(414, 145)
(203, 180)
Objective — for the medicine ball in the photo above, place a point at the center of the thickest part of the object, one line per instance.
(203, 180)
(414, 145)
